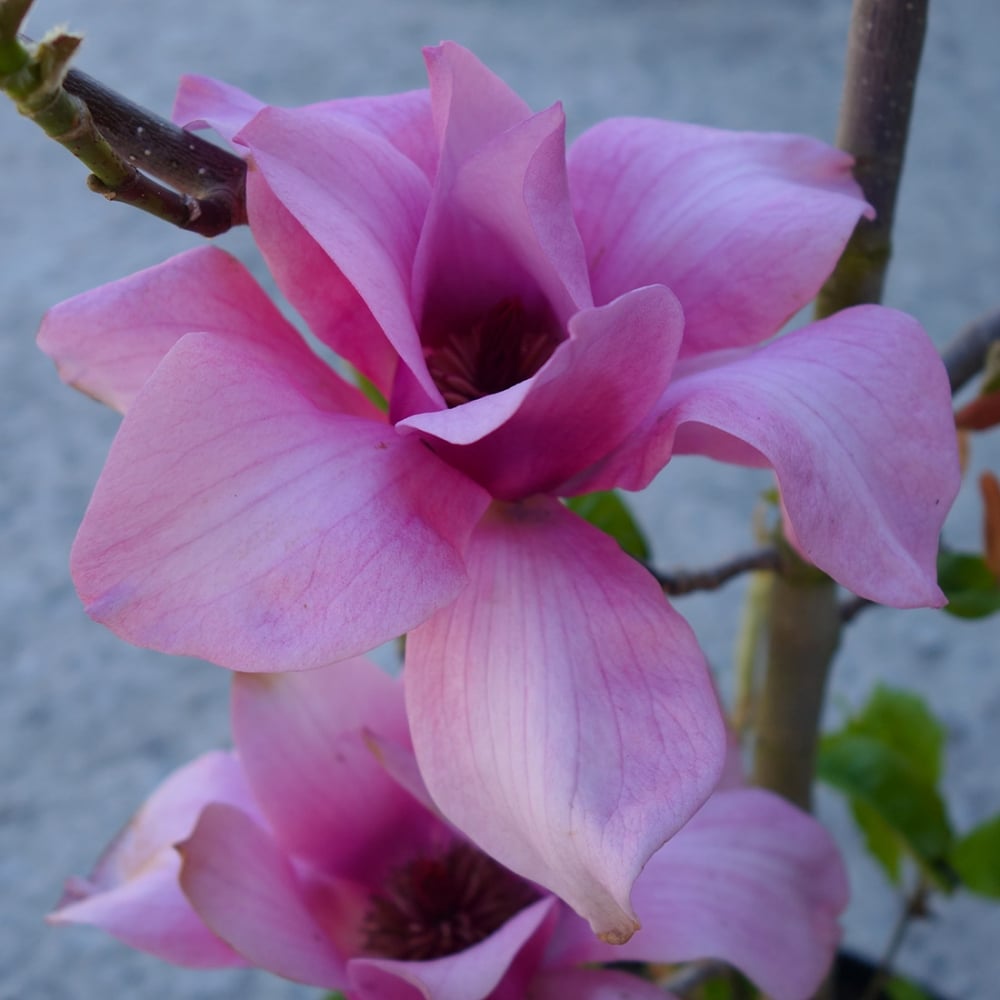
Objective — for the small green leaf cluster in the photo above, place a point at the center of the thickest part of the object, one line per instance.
(887, 761)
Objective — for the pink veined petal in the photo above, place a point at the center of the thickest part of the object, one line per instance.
(750, 880)
(202, 102)
(237, 521)
(854, 415)
(562, 713)
(311, 281)
(502, 226)
(472, 974)
(108, 341)
(743, 227)
(245, 889)
(470, 104)
(133, 892)
(301, 737)
(594, 984)
(589, 396)
(151, 914)
(360, 199)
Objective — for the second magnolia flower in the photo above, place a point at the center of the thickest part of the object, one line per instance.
(541, 325)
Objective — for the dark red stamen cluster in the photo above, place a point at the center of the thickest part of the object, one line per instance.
(440, 905)
(504, 347)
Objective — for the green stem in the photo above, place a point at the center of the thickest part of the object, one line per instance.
(804, 627)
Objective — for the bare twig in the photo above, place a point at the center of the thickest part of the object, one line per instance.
(684, 582)
(35, 78)
(965, 353)
(914, 906)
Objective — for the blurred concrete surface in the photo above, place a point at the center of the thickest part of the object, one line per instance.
(88, 725)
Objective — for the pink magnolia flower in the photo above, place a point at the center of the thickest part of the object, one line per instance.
(540, 326)
(305, 853)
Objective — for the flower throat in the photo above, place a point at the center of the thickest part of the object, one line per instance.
(505, 346)
(437, 906)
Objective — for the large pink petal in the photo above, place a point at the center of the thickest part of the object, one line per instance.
(750, 880)
(359, 198)
(133, 892)
(854, 415)
(562, 713)
(591, 394)
(245, 889)
(238, 521)
(108, 341)
(744, 227)
(500, 222)
(472, 974)
(304, 743)
(594, 984)
(310, 280)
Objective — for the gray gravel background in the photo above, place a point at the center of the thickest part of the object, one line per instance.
(88, 725)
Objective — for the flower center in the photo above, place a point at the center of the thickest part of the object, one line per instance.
(504, 347)
(432, 907)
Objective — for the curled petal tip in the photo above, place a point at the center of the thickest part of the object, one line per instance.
(620, 935)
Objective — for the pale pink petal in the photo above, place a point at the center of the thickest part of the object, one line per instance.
(743, 227)
(359, 198)
(202, 102)
(237, 521)
(562, 713)
(108, 341)
(133, 892)
(589, 396)
(470, 104)
(311, 281)
(302, 740)
(751, 880)
(244, 888)
(151, 914)
(854, 415)
(594, 984)
(472, 974)
(502, 227)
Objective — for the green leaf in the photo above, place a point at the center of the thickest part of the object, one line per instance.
(903, 721)
(335, 996)
(883, 843)
(976, 858)
(608, 512)
(969, 585)
(902, 989)
(880, 761)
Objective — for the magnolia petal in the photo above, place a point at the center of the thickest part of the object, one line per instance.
(317, 288)
(237, 521)
(743, 227)
(594, 984)
(472, 974)
(133, 892)
(562, 713)
(151, 914)
(500, 222)
(202, 102)
(108, 341)
(747, 853)
(302, 739)
(245, 889)
(587, 399)
(854, 415)
(321, 166)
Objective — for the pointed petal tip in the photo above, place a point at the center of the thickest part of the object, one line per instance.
(621, 934)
